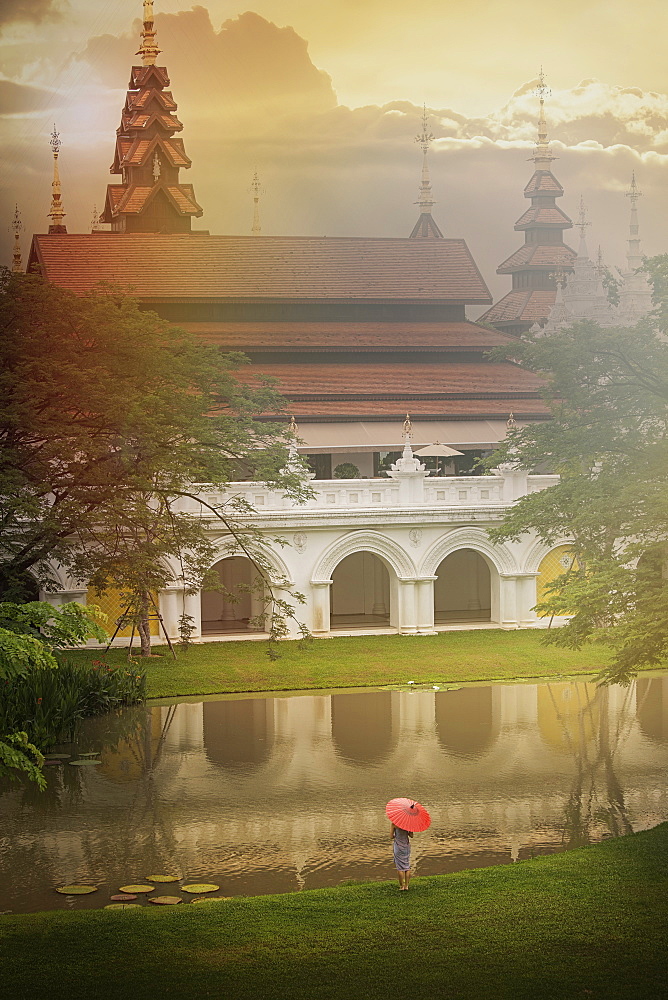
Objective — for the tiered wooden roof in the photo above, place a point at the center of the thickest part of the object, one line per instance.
(150, 197)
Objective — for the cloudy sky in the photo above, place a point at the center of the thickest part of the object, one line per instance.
(325, 99)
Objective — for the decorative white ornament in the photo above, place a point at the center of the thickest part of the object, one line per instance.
(299, 541)
(415, 536)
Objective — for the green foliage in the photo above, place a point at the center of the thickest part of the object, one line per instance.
(57, 628)
(103, 433)
(49, 704)
(608, 440)
(346, 470)
(18, 756)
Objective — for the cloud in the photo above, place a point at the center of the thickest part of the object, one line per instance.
(36, 11)
(249, 65)
(250, 96)
(16, 99)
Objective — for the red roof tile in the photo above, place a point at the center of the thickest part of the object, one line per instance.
(139, 76)
(337, 336)
(265, 267)
(523, 409)
(543, 182)
(536, 216)
(521, 306)
(538, 255)
(184, 198)
(397, 381)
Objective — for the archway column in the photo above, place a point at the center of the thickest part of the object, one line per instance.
(192, 606)
(425, 605)
(170, 604)
(229, 610)
(408, 613)
(321, 602)
(526, 598)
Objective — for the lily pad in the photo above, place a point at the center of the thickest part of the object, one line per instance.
(200, 887)
(123, 897)
(120, 906)
(137, 888)
(80, 763)
(76, 890)
(163, 878)
(54, 763)
(58, 756)
(91, 753)
(165, 900)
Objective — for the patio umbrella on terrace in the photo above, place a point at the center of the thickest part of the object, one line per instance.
(439, 450)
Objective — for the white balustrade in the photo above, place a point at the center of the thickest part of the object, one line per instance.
(376, 494)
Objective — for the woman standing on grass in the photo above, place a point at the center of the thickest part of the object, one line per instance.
(402, 855)
(407, 817)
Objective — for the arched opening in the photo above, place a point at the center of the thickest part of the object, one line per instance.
(239, 605)
(238, 735)
(465, 721)
(365, 726)
(360, 593)
(463, 589)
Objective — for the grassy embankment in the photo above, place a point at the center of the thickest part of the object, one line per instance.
(591, 923)
(358, 661)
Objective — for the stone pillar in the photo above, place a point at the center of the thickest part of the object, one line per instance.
(407, 607)
(379, 607)
(425, 605)
(321, 619)
(229, 611)
(192, 606)
(258, 603)
(508, 600)
(526, 598)
(170, 603)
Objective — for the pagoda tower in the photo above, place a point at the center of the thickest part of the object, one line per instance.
(425, 228)
(150, 197)
(635, 293)
(544, 254)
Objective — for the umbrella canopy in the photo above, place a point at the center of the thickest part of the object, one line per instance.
(408, 814)
(441, 450)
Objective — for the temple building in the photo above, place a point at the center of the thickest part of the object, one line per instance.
(581, 294)
(533, 267)
(358, 332)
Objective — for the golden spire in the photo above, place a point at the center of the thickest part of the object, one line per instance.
(148, 50)
(56, 214)
(257, 190)
(17, 226)
(95, 221)
(582, 224)
(542, 150)
(425, 139)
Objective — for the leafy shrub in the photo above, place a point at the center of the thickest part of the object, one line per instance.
(47, 705)
(346, 470)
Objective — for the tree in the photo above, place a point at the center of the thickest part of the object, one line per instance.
(28, 635)
(608, 394)
(108, 416)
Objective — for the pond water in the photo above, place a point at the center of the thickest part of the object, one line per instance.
(277, 794)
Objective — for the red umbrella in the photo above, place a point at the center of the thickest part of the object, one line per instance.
(408, 814)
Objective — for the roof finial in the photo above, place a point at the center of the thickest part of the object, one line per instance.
(634, 256)
(257, 190)
(582, 224)
(56, 214)
(148, 50)
(425, 225)
(17, 226)
(542, 150)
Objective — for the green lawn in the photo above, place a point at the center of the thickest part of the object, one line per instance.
(591, 923)
(359, 661)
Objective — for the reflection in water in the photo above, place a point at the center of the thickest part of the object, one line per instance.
(364, 726)
(465, 722)
(238, 734)
(652, 707)
(271, 795)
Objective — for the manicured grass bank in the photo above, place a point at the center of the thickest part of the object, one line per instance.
(358, 661)
(591, 923)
